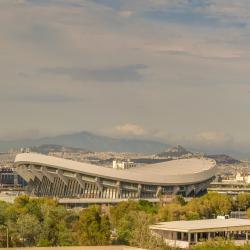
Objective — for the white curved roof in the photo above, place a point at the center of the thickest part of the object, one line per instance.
(183, 171)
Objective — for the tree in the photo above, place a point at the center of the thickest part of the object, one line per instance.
(147, 207)
(243, 201)
(171, 212)
(179, 200)
(28, 228)
(65, 237)
(220, 244)
(210, 205)
(93, 227)
(3, 209)
(117, 212)
(54, 229)
(141, 235)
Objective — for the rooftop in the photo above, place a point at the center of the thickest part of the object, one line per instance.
(203, 225)
(173, 172)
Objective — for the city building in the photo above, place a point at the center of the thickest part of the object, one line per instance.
(228, 187)
(238, 183)
(123, 164)
(10, 179)
(240, 177)
(57, 177)
(182, 234)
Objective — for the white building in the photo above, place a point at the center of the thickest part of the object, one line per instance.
(242, 178)
(182, 234)
(123, 164)
(239, 177)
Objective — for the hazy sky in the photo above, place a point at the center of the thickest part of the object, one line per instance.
(175, 70)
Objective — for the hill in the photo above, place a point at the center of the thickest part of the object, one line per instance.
(223, 159)
(89, 141)
(178, 151)
(47, 148)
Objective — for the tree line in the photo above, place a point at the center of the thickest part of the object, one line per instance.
(43, 222)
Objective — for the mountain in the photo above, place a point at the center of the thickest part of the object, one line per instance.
(89, 141)
(174, 152)
(47, 148)
(223, 159)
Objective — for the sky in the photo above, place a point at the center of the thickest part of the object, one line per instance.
(175, 71)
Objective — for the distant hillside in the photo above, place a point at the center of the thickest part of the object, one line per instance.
(174, 152)
(47, 148)
(223, 159)
(89, 141)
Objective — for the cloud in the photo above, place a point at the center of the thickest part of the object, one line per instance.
(130, 129)
(43, 98)
(228, 11)
(213, 138)
(20, 134)
(108, 74)
(125, 13)
(208, 13)
(194, 60)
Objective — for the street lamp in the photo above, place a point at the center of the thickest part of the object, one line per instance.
(7, 234)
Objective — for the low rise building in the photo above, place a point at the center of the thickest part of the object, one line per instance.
(182, 234)
(245, 178)
(123, 164)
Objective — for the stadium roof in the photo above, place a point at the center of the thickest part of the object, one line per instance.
(182, 171)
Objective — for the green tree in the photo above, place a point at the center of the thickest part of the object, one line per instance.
(171, 212)
(179, 200)
(117, 212)
(243, 201)
(210, 205)
(93, 227)
(141, 235)
(3, 212)
(148, 207)
(219, 244)
(54, 228)
(28, 227)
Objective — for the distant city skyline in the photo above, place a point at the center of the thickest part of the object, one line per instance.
(174, 71)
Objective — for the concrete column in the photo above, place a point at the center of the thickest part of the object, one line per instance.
(158, 191)
(189, 238)
(99, 184)
(80, 181)
(246, 235)
(139, 190)
(175, 235)
(37, 173)
(182, 236)
(64, 179)
(30, 174)
(118, 186)
(208, 235)
(189, 189)
(195, 237)
(200, 187)
(22, 173)
(47, 174)
(176, 190)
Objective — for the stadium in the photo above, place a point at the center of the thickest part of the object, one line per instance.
(57, 177)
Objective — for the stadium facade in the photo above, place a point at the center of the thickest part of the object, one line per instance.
(56, 177)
